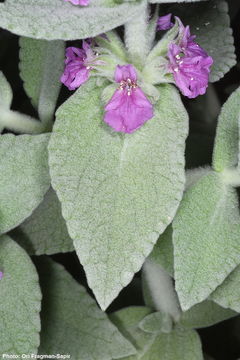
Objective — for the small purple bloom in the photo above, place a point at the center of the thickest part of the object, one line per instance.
(79, 2)
(189, 63)
(1, 275)
(164, 22)
(128, 109)
(79, 63)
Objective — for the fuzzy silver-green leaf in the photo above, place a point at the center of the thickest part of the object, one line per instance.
(206, 233)
(24, 177)
(72, 323)
(41, 65)
(118, 192)
(45, 231)
(60, 20)
(21, 301)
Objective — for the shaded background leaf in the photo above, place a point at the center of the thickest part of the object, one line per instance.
(20, 301)
(45, 231)
(41, 65)
(24, 177)
(71, 321)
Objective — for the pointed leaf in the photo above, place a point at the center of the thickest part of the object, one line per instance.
(45, 231)
(71, 321)
(206, 234)
(156, 323)
(228, 293)
(210, 22)
(207, 313)
(6, 94)
(60, 20)
(41, 65)
(226, 147)
(20, 301)
(24, 177)
(118, 192)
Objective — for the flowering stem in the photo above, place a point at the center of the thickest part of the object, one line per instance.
(136, 36)
(160, 286)
(15, 121)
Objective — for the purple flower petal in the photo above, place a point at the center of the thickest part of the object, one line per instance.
(189, 63)
(1, 275)
(79, 2)
(129, 108)
(164, 22)
(79, 63)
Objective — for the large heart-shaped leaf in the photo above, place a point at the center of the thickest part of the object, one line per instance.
(57, 19)
(24, 177)
(206, 233)
(20, 301)
(118, 192)
(71, 321)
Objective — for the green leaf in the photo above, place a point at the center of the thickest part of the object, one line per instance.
(194, 175)
(226, 147)
(162, 253)
(71, 321)
(210, 22)
(228, 293)
(20, 301)
(179, 344)
(24, 177)
(206, 234)
(41, 65)
(156, 323)
(45, 231)
(60, 20)
(205, 314)
(118, 192)
(127, 320)
(6, 93)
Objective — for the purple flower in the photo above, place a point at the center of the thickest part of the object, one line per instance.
(1, 275)
(79, 63)
(189, 63)
(164, 22)
(79, 2)
(128, 109)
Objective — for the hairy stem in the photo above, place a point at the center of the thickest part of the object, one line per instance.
(21, 123)
(136, 39)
